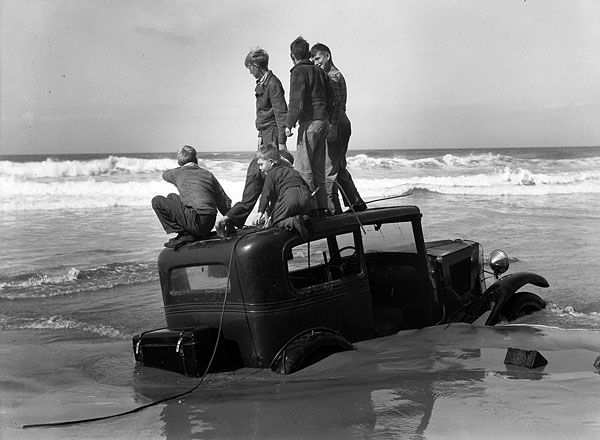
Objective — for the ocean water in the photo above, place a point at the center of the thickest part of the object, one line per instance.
(79, 238)
(73, 227)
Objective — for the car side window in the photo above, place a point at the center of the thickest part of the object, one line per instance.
(325, 260)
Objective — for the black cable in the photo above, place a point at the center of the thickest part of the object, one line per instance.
(166, 399)
(345, 196)
(404, 194)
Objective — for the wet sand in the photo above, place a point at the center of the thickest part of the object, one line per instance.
(436, 383)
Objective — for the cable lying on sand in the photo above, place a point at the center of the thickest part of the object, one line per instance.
(139, 408)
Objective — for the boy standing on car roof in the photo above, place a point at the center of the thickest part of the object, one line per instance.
(271, 110)
(338, 137)
(310, 105)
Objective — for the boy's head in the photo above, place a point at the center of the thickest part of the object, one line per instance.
(186, 154)
(267, 157)
(257, 62)
(321, 56)
(299, 49)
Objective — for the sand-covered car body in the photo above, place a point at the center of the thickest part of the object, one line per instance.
(283, 302)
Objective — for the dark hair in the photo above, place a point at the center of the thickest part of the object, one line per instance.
(319, 47)
(186, 154)
(269, 151)
(257, 56)
(300, 49)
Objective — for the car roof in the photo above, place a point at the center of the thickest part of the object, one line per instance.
(255, 240)
(373, 216)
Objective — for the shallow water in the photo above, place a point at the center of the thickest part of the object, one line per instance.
(78, 278)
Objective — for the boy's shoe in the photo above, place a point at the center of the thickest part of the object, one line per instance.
(298, 222)
(308, 223)
(174, 239)
(358, 207)
(224, 228)
(178, 242)
(321, 212)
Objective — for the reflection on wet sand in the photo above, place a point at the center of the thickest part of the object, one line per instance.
(396, 401)
(388, 388)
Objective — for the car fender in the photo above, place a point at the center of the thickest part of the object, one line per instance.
(307, 348)
(503, 289)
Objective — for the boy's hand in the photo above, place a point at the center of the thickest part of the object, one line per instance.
(259, 219)
(288, 132)
(332, 133)
(267, 222)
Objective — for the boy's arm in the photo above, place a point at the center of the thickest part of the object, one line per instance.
(341, 99)
(330, 102)
(280, 108)
(297, 89)
(221, 199)
(169, 176)
(266, 194)
(338, 85)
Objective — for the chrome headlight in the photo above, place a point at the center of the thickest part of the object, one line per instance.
(499, 262)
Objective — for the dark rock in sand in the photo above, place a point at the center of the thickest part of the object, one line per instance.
(525, 358)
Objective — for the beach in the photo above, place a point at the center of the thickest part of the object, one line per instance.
(434, 383)
(78, 279)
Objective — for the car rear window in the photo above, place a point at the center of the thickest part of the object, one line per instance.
(208, 279)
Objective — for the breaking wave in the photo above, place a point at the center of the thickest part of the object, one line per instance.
(52, 168)
(129, 182)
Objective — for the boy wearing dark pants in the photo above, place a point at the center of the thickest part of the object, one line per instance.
(310, 106)
(193, 212)
(338, 138)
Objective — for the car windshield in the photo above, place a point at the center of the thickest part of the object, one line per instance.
(396, 237)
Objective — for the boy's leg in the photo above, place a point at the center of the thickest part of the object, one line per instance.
(252, 189)
(302, 162)
(314, 139)
(292, 202)
(270, 134)
(202, 223)
(290, 213)
(332, 168)
(349, 192)
(169, 211)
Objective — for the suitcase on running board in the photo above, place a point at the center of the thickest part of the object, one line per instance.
(186, 351)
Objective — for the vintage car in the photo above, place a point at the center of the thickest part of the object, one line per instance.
(267, 298)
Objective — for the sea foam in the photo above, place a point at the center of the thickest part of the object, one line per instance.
(117, 181)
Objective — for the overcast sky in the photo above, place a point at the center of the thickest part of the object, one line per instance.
(149, 76)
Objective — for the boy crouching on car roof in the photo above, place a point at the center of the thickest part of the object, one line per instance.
(192, 212)
(285, 195)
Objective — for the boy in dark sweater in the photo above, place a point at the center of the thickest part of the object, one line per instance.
(193, 212)
(285, 195)
(311, 106)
